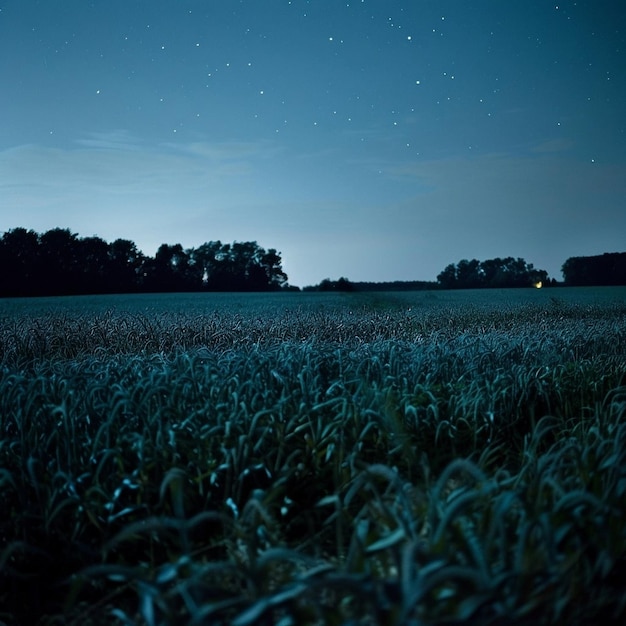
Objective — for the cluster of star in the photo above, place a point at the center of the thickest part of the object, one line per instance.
(189, 74)
(357, 73)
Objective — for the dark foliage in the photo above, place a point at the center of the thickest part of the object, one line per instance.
(58, 262)
(497, 273)
(604, 269)
(342, 284)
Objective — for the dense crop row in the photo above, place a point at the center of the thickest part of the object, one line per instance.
(350, 460)
(29, 334)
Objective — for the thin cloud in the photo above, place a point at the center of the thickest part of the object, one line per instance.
(554, 145)
(116, 164)
(225, 150)
(113, 140)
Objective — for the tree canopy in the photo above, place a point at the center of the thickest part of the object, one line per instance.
(603, 269)
(58, 262)
(507, 272)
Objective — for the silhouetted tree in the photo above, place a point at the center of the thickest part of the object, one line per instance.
(19, 263)
(221, 276)
(241, 266)
(447, 278)
(60, 270)
(341, 284)
(92, 263)
(507, 272)
(125, 263)
(604, 269)
(468, 274)
(272, 267)
(493, 273)
(242, 261)
(170, 270)
(59, 263)
(206, 259)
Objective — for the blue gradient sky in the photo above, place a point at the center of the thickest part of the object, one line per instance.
(373, 139)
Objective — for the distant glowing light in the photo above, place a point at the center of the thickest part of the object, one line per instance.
(538, 285)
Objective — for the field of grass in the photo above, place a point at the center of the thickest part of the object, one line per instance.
(409, 458)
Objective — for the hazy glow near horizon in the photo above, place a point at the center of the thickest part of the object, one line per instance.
(372, 139)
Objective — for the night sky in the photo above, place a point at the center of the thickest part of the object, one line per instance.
(372, 139)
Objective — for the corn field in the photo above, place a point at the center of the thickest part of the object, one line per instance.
(416, 459)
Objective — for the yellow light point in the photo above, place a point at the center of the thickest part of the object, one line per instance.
(538, 285)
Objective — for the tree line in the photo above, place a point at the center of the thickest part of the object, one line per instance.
(604, 269)
(345, 285)
(58, 262)
(495, 273)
